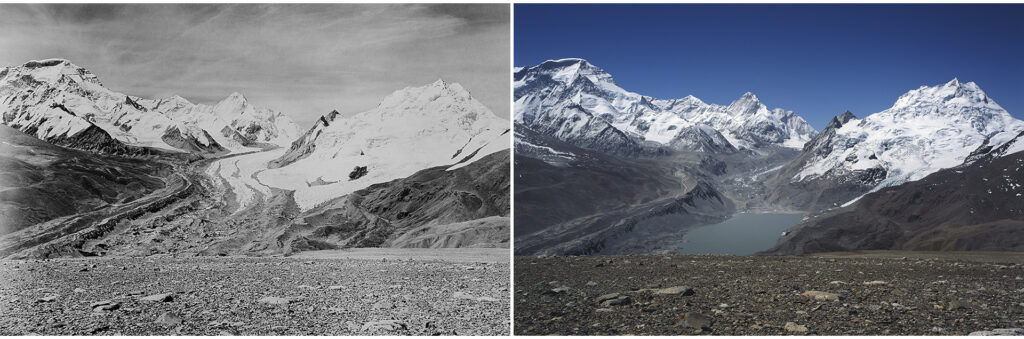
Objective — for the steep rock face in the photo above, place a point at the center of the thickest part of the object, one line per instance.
(812, 195)
(702, 138)
(305, 144)
(976, 206)
(926, 130)
(432, 208)
(544, 94)
(411, 129)
(54, 99)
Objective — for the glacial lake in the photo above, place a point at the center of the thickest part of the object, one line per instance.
(743, 234)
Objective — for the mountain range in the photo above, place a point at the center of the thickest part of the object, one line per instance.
(758, 159)
(62, 103)
(158, 176)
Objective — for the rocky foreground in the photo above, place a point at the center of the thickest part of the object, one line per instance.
(880, 293)
(254, 296)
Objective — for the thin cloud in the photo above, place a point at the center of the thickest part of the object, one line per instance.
(304, 60)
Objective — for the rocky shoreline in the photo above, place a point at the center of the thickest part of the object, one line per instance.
(848, 294)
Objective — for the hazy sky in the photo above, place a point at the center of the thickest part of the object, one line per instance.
(817, 60)
(304, 60)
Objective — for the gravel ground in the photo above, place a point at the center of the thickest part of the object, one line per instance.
(846, 294)
(253, 296)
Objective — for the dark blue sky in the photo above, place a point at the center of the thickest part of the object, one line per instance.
(817, 60)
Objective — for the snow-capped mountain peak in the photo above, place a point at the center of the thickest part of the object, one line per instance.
(747, 104)
(438, 124)
(42, 96)
(439, 97)
(927, 129)
(568, 70)
(573, 90)
(953, 94)
(52, 70)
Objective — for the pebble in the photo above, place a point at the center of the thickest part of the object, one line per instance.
(169, 319)
(819, 295)
(958, 304)
(1000, 332)
(104, 306)
(617, 301)
(695, 320)
(386, 325)
(275, 301)
(681, 290)
(793, 327)
(163, 297)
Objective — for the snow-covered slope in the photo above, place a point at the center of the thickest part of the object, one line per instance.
(54, 99)
(411, 129)
(926, 130)
(577, 102)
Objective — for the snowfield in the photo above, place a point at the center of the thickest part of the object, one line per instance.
(415, 128)
(927, 129)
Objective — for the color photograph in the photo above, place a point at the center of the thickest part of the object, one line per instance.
(768, 169)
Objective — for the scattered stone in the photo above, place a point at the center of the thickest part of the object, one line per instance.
(681, 290)
(958, 305)
(463, 295)
(384, 325)
(274, 301)
(1000, 332)
(383, 305)
(47, 299)
(618, 300)
(591, 283)
(79, 290)
(104, 306)
(163, 297)
(608, 296)
(793, 327)
(169, 319)
(819, 295)
(694, 320)
(335, 287)
(936, 329)
(558, 290)
(875, 282)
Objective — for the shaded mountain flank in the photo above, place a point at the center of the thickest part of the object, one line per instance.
(42, 181)
(976, 206)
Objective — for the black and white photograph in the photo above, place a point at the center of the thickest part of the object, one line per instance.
(255, 169)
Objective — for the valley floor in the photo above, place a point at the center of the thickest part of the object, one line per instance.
(373, 292)
(879, 293)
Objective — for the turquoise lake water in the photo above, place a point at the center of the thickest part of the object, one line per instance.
(743, 234)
